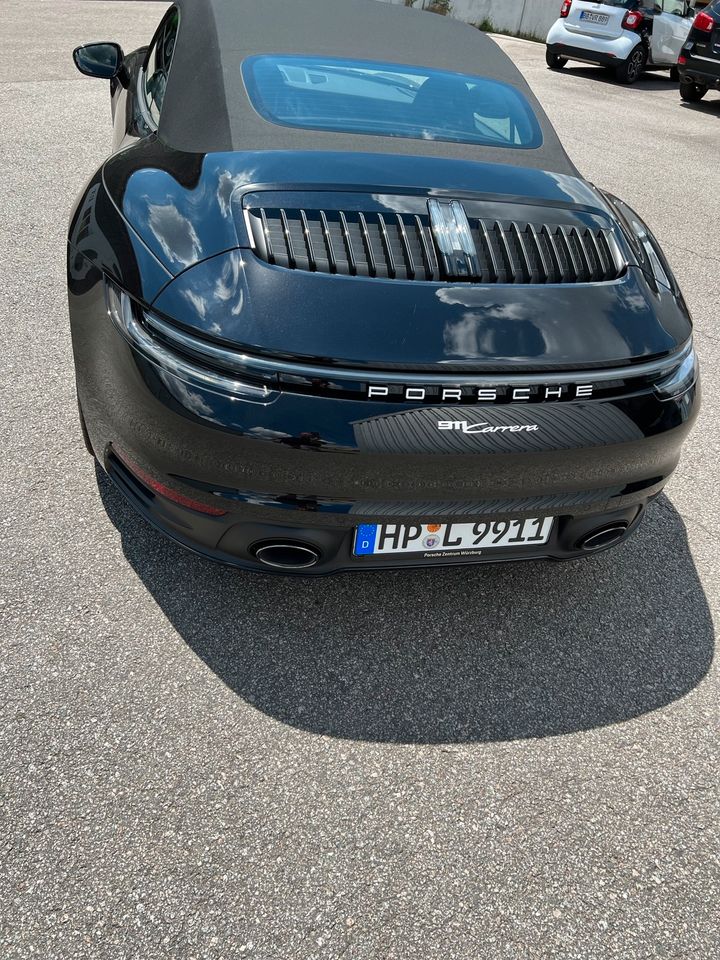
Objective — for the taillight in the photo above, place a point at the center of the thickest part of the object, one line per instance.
(565, 9)
(160, 488)
(704, 22)
(682, 60)
(633, 20)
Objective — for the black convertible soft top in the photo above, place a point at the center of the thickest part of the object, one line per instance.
(207, 109)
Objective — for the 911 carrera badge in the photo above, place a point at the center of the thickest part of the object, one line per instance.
(465, 427)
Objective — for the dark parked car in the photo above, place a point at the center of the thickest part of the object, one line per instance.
(699, 61)
(339, 300)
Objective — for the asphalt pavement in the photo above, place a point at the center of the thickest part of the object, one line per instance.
(517, 761)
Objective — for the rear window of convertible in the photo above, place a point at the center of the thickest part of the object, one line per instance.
(389, 100)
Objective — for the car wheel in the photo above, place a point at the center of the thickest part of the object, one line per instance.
(692, 92)
(554, 60)
(630, 70)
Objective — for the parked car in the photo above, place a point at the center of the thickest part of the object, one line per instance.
(333, 311)
(699, 61)
(627, 36)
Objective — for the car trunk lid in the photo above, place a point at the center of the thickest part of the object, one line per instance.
(382, 324)
(458, 265)
(602, 20)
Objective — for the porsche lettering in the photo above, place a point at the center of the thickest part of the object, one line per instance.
(493, 394)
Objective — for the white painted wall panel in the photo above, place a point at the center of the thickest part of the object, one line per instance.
(533, 17)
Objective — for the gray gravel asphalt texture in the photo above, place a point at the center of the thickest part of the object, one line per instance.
(504, 762)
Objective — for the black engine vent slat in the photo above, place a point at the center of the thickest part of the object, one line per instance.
(502, 238)
(387, 246)
(328, 242)
(491, 270)
(568, 274)
(309, 245)
(606, 254)
(432, 270)
(545, 270)
(349, 246)
(267, 236)
(289, 245)
(547, 236)
(567, 239)
(367, 244)
(407, 249)
(598, 268)
(529, 261)
(401, 246)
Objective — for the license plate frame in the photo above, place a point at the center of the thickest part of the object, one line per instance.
(447, 541)
(599, 19)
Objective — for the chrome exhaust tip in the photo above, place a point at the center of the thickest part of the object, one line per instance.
(286, 556)
(603, 537)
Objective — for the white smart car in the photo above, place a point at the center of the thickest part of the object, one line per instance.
(628, 36)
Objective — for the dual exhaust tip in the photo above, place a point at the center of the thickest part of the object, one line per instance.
(603, 537)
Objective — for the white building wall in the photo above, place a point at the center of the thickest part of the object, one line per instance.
(539, 16)
(533, 17)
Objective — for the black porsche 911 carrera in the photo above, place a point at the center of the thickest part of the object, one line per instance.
(339, 300)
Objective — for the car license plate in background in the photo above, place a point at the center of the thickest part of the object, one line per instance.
(444, 539)
(601, 18)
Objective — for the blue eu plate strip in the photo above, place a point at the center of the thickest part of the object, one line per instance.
(365, 539)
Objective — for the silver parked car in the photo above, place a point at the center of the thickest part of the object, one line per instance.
(627, 36)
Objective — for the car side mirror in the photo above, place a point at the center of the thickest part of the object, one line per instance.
(102, 60)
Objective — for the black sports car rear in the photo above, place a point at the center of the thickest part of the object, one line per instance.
(339, 300)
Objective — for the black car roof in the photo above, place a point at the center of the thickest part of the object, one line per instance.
(207, 109)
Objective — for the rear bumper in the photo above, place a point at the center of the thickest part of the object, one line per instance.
(309, 470)
(583, 56)
(577, 46)
(235, 539)
(703, 72)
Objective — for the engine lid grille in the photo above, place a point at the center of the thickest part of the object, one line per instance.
(507, 243)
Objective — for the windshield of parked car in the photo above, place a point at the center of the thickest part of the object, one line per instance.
(389, 100)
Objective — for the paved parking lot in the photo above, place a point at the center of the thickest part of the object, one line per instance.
(515, 762)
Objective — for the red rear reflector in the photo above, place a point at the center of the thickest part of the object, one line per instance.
(633, 19)
(565, 9)
(164, 491)
(704, 22)
(682, 60)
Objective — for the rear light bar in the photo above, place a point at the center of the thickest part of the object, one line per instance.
(565, 9)
(681, 379)
(140, 328)
(633, 20)
(703, 21)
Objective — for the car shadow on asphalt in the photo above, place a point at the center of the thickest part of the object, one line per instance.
(710, 107)
(468, 654)
(648, 81)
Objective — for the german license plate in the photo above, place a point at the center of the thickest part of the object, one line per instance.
(449, 539)
(601, 18)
